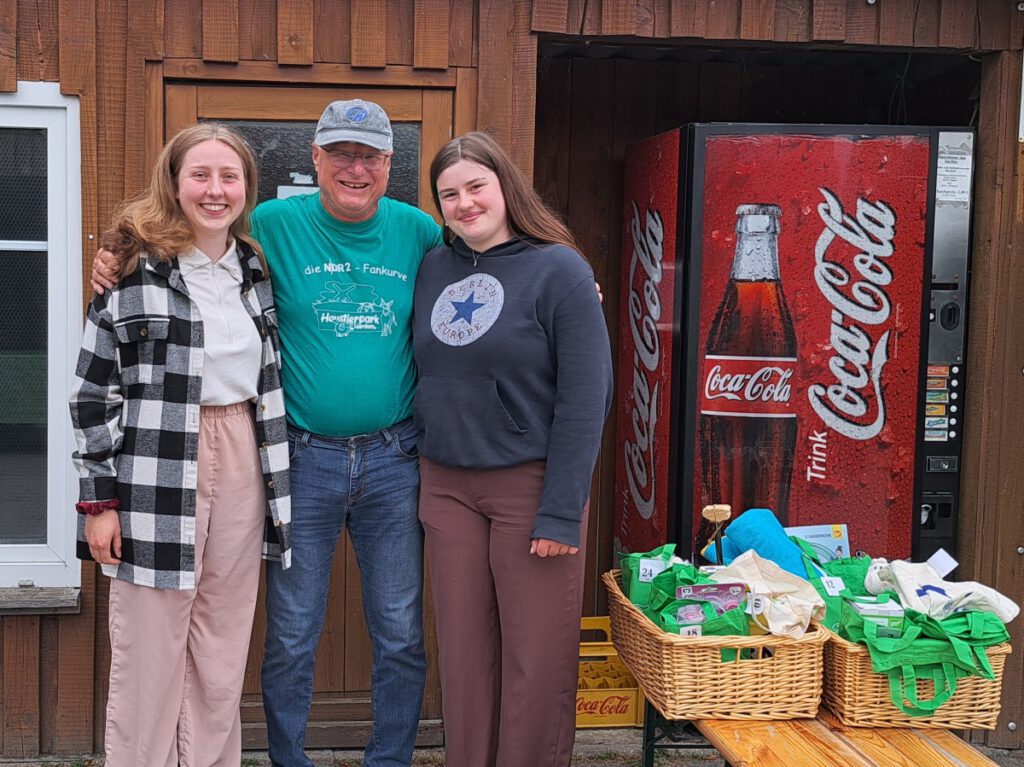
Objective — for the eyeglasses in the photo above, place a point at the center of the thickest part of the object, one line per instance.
(371, 162)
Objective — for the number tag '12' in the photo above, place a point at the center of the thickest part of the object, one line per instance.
(832, 584)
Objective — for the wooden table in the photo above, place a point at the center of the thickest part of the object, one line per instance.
(825, 741)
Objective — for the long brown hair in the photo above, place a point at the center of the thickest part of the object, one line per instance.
(527, 213)
(154, 221)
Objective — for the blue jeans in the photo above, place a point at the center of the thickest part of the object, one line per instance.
(369, 482)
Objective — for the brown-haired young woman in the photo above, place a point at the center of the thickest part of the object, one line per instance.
(514, 387)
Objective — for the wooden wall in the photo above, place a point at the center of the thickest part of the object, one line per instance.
(965, 24)
(115, 55)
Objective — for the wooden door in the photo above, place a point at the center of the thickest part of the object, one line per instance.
(279, 122)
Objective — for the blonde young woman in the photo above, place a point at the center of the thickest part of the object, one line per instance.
(182, 453)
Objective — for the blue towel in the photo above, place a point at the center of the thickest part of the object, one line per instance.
(760, 530)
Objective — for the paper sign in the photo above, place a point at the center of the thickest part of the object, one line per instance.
(942, 563)
(832, 584)
(650, 568)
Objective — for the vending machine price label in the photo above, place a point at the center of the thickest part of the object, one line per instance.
(650, 568)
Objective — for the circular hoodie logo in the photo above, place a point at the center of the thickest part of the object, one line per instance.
(356, 114)
(467, 309)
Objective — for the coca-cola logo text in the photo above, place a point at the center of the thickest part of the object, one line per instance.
(854, 405)
(608, 705)
(769, 384)
(748, 386)
(644, 313)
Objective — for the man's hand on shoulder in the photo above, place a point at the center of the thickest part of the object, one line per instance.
(106, 270)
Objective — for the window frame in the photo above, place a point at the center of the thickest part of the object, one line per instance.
(41, 105)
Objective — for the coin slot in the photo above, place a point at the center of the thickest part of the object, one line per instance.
(949, 315)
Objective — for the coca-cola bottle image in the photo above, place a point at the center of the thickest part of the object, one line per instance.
(747, 427)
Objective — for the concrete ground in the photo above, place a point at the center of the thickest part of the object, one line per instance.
(594, 748)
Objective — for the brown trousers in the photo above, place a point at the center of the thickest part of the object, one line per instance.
(508, 622)
(178, 657)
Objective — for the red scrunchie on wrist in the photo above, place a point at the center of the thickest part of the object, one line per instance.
(95, 508)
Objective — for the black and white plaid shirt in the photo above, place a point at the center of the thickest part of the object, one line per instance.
(135, 410)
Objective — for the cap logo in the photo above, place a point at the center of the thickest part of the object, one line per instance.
(356, 114)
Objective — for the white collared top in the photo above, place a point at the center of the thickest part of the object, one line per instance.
(231, 343)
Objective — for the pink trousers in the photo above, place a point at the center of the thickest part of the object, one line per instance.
(178, 657)
(508, 622)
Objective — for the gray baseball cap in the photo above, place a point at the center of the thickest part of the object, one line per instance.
(362, 122)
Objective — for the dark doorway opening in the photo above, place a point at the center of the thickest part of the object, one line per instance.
(596, 97)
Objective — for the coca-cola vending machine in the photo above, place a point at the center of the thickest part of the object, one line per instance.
(792, 331)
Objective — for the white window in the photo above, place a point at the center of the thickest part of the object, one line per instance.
(40, 332)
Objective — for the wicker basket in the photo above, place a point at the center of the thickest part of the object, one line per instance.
(685, 677)
(859, 697)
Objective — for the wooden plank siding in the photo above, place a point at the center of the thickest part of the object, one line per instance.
(993, 485)
(21, 679)
(399, 32)
(618, 18)
(550, 17)
(220, 31)
(757, 20)
(38, 51)
(294, 32)
(494, 94)
(8, 46)
(332, 39)
(257, 28)
(896, 22)
(430, 35)
(140, 65)
(369, 33)
(958, 23)
(145, 41)
(828, 18)
(462, 36)
(792, 21)
(183, 30)
(723, 17)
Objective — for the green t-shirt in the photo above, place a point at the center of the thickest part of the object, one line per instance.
(344, 301)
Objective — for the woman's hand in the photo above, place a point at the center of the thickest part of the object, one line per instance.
(544, 547)
(103, 534)
(106, 270)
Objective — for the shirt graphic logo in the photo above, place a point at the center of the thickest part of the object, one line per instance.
(344, 309)
(467, 309)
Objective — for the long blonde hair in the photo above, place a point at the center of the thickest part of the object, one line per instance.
(527, 213)
(154, 221)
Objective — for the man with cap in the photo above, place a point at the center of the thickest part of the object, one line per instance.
(343, 263)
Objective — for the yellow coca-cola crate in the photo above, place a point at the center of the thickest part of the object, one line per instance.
(607, 694)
